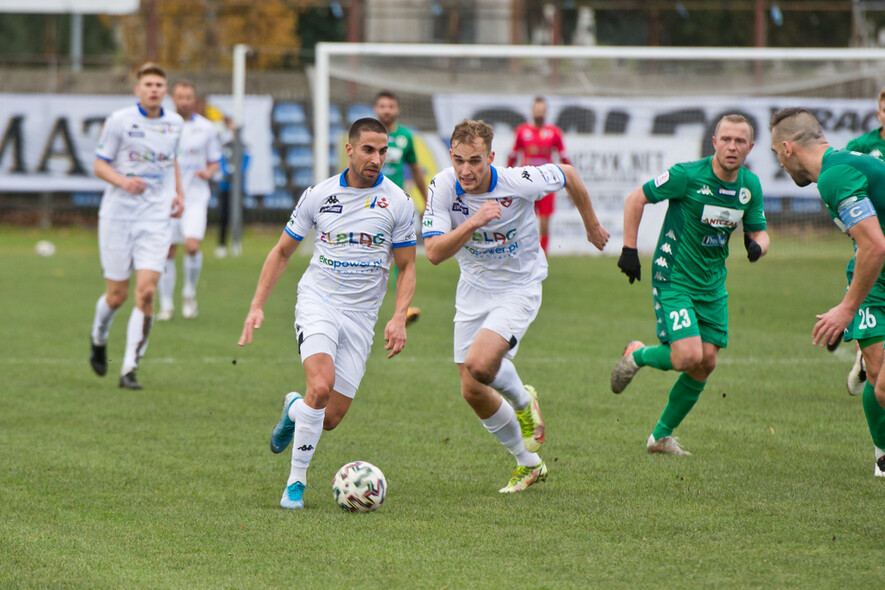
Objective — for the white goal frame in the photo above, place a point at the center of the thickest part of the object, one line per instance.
(324, 51)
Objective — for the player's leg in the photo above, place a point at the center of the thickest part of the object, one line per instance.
(544, 209)
(874, 401)
(193, 265)
(495, 344)
(139, 327)
(223, 221)
(115, 248)
(166, 287)
(499, 419)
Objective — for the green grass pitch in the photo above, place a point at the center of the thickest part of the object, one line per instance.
(175, 487)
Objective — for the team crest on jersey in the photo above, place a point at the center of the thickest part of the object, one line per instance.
(877, 154)
(372, 202)
(506, 202)
(744, 196)
(662, 179)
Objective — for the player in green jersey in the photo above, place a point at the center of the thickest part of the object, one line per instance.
(852, 187)
(400, 151)
(707, 200)
(872, 143)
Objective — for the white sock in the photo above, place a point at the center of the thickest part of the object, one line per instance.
(504, 426)
(193, 263)
(101, 323)
(166, 286)
(308, 428)
(509, 385)
(137, 332)
(879, 453)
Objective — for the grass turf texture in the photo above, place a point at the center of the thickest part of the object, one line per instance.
(176, 487)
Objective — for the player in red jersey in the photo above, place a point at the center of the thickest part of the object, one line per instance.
(537, 141)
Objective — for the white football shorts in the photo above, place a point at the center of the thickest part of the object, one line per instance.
(192, 223)
(346, 336)
(508, 314)
(127, 245)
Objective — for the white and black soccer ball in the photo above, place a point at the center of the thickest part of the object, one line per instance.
(359, 487)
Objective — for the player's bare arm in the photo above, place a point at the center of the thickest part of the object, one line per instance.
(577, 192)
(131, 184)
(178, 201)
(633, 208)
(441, 248)
(274, 266)
(868, 264)
(209, 171)
(395, 330)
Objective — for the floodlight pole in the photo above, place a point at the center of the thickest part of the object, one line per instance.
(236, 189)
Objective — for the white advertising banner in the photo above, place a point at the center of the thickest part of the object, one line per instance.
(47, 141)
(618, 144)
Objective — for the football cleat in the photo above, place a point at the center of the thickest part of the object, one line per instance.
(165, 315)
(531, 423)
(98, 358)
(293, 497)
(128, 381)
(189, 308)
(667, 445)
(857, 376)
(523, 477)
(285, 428)
(880, 467)
(626, 368)
(412, 315)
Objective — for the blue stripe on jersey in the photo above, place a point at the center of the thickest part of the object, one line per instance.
(100, 157)
(293, 235)
(432, 233)
(853, 210)
(145, 113)
(564, 179)
(404, 244)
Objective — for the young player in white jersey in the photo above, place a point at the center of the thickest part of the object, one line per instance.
(363, 222)
(199, 156)
(136, 155)
(484, 216)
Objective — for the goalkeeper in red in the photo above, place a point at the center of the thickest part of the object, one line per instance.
(707, 198)
(537, 141)
(852, 187)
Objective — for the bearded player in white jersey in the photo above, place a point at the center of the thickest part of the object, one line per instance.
(136, 155)
(363, 222)
(484, 216)
(199, 157)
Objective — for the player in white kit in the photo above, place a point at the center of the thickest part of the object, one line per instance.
(199, 156)
(136, 155)
(363, 222)
(484, 216)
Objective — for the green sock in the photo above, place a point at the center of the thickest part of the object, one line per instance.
(683, 396)
(654, 356)
(875, 414)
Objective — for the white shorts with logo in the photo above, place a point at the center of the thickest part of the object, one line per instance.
(127, 245)
(192, 223)
(508, 314)
(346, 336)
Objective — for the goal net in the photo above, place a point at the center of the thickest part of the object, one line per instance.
(628, 113)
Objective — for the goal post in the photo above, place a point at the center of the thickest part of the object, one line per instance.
(628, 113)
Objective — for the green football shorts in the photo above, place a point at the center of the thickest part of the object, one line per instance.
(868, 324)
(683, 315)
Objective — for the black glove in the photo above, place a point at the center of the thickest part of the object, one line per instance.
(629, 264)
(754, 250)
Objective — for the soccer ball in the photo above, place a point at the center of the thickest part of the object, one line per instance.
(44, 248)
(359, 487)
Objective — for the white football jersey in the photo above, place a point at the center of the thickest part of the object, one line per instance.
(356, 232)
(505, 252)
(199, 147)
(138, 146)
